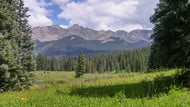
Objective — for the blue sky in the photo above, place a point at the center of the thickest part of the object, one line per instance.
(95, 14)
(56, 12)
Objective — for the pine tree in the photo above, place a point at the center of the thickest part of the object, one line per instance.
(80, 65)
(9, 68)
(40, 62)
(25, 45)
(15, 54)
(54, 64)
(88, 66)
(171, 46)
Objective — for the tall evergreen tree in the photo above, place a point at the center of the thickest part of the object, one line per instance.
(15, 54)
(9, 68)
(54, 64)
(41, 62)
(80, 65)
(171, 46)
(24, 42)
(26, 57)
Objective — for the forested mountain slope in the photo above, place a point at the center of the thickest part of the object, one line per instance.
(59, 42)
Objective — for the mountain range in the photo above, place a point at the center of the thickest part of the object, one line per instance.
(64, 42)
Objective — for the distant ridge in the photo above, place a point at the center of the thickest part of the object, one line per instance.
(59, 42)
(49, 33)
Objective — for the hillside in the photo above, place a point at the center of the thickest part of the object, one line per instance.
(71, 45)
(59, 42)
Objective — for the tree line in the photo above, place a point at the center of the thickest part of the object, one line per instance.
(125, 61)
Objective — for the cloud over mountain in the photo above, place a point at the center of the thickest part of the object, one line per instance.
(95, 14)
(110, 14)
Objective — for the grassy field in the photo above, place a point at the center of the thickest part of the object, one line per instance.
(62, 89)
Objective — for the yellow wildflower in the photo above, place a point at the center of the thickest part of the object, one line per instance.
(22, 98)
(49, 96)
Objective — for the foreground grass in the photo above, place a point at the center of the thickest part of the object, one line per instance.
(61, 89)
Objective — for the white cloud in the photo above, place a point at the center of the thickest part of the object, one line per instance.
(38, 13)
(109, 14)
(64, 26)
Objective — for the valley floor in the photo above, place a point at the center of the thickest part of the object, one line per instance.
(62, 89)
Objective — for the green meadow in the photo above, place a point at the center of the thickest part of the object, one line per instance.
(62, 89)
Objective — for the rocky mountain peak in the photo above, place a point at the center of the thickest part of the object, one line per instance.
(50, 33)
(75, 26)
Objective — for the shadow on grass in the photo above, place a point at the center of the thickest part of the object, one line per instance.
(161, 84)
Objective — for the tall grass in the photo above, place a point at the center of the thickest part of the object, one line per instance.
(61, 89)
